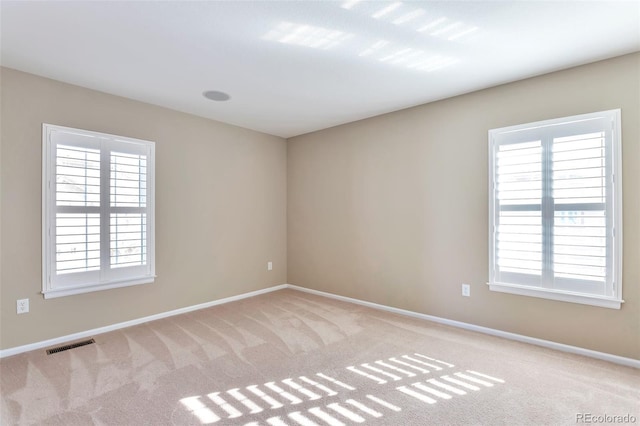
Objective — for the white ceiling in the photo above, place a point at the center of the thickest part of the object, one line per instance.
(296, 67)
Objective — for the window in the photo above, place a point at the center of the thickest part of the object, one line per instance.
(555, 209)
(98, 211)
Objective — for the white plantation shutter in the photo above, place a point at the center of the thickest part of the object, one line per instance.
(128, 217)
(581, 178)
(555, 209)
(519, 225)
(97, 211)
(77, 223)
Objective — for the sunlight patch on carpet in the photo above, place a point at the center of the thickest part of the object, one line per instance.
(334, 402)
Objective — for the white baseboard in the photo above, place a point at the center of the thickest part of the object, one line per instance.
(629, 362)
(83, 334)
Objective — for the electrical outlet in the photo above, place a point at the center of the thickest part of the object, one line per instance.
(22, 306)
(269, 266)
(466, 290)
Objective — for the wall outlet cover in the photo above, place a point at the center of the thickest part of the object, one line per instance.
(22, 306)
(466, 290)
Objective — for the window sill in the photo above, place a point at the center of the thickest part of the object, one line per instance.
(69, 291)
(563, 296)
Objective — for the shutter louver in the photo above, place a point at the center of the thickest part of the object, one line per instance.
(519, 194)
(128, 239)
(77, 189)
(128, 180)
(77, 176)
(128, 220)
(579, 192)
(77, 242)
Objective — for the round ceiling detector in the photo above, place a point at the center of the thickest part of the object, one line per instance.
(215, 95)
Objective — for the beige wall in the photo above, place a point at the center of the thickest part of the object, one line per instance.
(393, 209)
(220, 208)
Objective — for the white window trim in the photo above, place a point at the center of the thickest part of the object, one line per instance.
(615, 301)
(49, 290)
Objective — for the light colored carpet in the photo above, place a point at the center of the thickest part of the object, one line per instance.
(290, 358)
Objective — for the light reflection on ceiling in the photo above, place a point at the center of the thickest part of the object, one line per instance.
(306, 35)
(403, 15)
(190, 47)
(386, 10)
(400, 13)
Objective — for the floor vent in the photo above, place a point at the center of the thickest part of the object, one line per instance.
(71, 346)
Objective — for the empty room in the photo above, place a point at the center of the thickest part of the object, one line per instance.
(319, 213)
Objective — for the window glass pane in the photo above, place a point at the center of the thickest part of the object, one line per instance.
(128, 180)
(77, 242)
(77, 176)
(128, 240)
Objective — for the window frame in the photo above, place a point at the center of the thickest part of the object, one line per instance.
(543, 130)
(106, 277)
